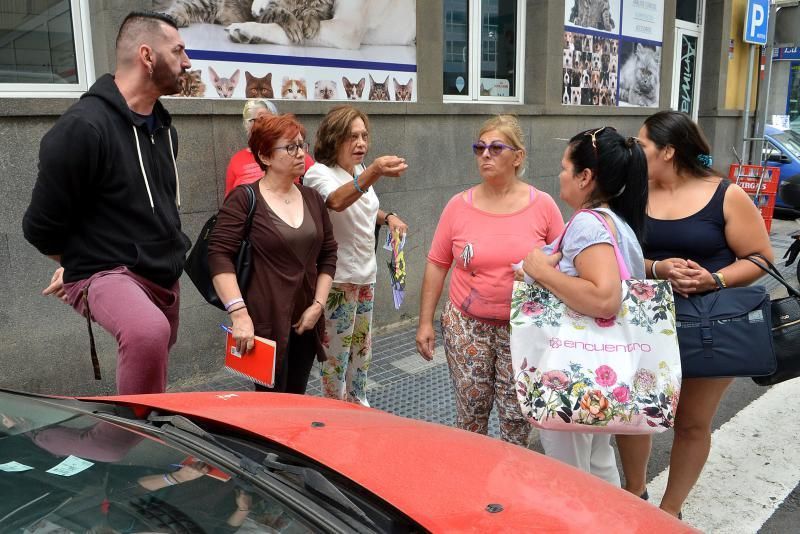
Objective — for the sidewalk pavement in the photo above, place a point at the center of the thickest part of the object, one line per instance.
(402, 383)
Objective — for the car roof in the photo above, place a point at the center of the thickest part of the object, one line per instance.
(441, 477)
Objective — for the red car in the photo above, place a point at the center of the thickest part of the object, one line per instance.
(256, 462)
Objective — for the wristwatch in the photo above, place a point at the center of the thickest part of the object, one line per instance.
(386, 218)
(719, 279)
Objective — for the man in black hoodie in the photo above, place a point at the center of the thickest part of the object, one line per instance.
(105, 204)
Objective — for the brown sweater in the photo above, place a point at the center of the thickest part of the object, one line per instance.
(276, 272)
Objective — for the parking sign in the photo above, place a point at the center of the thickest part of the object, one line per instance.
(755, 22)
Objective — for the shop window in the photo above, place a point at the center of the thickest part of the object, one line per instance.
(43, 47)
(491, 70)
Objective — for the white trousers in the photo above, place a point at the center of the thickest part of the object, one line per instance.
(588, 452)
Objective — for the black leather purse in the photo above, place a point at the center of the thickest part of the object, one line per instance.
(785, 314)
(197, 262)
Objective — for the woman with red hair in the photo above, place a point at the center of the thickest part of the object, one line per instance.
(293, 255)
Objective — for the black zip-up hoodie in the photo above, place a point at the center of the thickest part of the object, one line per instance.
(107, 191)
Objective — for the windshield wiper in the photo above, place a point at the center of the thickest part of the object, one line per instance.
(317, 482)
(311, 478)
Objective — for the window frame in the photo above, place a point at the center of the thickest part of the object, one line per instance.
(84, 63)
(474, 28)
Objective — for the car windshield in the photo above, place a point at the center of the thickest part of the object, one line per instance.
(63, 472)
(790, 141)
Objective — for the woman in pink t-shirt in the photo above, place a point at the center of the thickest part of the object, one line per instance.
(485, 229)
(242, 168)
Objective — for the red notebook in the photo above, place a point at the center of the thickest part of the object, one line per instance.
(257, 365)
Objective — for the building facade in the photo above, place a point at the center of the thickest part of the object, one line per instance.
(445, 65)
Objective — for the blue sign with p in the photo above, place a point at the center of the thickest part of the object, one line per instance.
(755, 22)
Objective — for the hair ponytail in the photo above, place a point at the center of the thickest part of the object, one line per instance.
(619, 168)
(631, 205)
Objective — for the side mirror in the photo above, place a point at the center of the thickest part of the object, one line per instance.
(779, 157)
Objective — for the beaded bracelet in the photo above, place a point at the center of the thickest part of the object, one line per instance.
(358, 187)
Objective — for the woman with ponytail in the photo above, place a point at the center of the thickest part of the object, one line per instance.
(604, 173)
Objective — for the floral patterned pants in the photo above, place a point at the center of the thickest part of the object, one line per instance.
(348, 342)
(479, 357)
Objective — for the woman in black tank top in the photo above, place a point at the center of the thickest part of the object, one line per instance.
(698, 224)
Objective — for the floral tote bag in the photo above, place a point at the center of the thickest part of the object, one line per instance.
(619, 375)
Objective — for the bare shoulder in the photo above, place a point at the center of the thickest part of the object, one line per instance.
(739, 206)
(736, 197)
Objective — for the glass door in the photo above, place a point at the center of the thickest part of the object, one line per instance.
(686, 71)
(686, 68)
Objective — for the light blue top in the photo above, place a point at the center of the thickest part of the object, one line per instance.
(587, 230)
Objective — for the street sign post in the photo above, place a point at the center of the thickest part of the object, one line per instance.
(755, 22)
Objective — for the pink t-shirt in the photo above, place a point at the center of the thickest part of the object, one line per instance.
(243, 169)
(482, 287)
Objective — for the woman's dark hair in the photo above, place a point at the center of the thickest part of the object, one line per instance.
(266, 132)
(678, 130)
(334, 130)
(619, 168)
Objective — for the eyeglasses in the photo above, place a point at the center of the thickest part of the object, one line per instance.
(293, 148)
(495, 149)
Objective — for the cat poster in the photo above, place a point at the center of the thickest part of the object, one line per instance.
(216, 79)
(600, 15)
(639, 74)
(612, 52)
(307, 47)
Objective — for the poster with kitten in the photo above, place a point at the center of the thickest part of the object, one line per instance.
(224, 86)
(353, 90)
(294, 88)
(241, 80)
(600, 15)
(325, 90)
(314, 44)
(639, 74)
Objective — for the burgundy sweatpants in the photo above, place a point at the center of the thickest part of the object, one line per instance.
(143, 318)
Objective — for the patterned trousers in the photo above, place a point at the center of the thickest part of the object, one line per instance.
(479, 357)
(348, 342)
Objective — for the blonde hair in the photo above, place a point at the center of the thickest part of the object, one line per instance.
(509, 127)
(251, 105)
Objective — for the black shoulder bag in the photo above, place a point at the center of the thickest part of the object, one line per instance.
(785, 314)
(726, 333)
(197, 262)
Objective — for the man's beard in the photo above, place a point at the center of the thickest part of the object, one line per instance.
(167, 82)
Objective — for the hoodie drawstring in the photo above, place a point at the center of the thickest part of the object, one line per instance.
(175, 164)
(141, 166)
